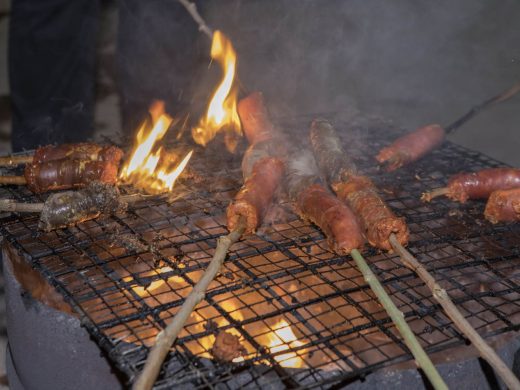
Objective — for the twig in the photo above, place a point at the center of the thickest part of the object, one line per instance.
(10, 161)
(192, 10)
(20, 207)
(422, 359)
(23, 207)
(167, 336)
(486, 352)
(13, 180)
(428, 196)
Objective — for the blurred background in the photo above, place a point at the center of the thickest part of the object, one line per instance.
(414, 62)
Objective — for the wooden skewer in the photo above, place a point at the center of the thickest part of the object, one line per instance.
(13, 180)
(428, 196)
(168, 335)
(421, 358)
(23, 207)
(486, 352)
(11, 161)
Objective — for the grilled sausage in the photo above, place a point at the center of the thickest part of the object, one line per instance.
(503, 206)
(262, 166)
(65, 173)
(315, 203)
(477, 185)
(80, 151)
(411, 147)
(359, 192)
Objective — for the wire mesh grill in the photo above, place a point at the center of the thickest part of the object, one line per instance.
(305, 316)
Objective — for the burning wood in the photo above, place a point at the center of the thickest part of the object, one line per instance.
(418, 143)
(358, 191)
(262, 166)
(477, 185)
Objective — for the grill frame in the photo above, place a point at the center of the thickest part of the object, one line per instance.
(452, 239)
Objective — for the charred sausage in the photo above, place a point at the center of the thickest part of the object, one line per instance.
(358, 191)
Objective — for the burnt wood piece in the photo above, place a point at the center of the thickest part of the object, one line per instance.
(358, 191)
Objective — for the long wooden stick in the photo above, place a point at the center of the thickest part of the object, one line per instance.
(23, 207)
(421, 358)
(441, 296)
(13, 180)
(11, 161)
(168, 335)
(192, 10)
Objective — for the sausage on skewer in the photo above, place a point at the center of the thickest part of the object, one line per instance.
(503, 206)
(477, 185)
(262, 166)
(68, 208)
(417, 144)
(81, 151)
(315, 203)
(358, 191)
(63, 174)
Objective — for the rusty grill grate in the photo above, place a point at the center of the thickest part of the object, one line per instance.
(305, 315)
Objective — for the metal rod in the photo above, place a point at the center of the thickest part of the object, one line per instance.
(441, 296)
(168, 335)
(421, 358)
(502, 97)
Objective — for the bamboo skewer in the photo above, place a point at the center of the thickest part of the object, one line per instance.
(421, 358)
(168, 335)
(486, 352)
(11, 161)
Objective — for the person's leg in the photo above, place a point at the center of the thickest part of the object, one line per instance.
(52, 70)
(159, 47)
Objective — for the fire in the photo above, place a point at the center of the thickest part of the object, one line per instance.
(222, 110)
(150, 166)
(282, 339)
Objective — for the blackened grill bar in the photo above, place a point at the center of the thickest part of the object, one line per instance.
(304, 314)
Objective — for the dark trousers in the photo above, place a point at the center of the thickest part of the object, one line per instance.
(52, 64)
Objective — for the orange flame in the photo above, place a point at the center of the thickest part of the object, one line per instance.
(281, 339)
(149, 166)
(222, 110)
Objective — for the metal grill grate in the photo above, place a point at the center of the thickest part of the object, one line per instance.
(304, 314)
